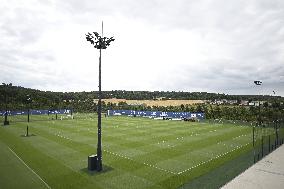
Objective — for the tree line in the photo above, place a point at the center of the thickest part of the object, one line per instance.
(16, 99)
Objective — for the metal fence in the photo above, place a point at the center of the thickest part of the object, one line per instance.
(267, 137)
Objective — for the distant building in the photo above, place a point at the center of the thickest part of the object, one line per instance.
(256, 103)
(224, 101)
(244, 102)
(251, 104)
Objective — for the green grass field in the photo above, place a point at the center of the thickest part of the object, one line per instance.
(137, 152)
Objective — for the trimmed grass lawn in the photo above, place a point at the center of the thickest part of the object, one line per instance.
(137, 152)
(14, 173)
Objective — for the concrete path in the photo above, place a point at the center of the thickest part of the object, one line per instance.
(267, 173)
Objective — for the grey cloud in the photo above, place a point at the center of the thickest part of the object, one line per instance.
(253, 28)
(20, 28)
(21, 25)
(221, 76)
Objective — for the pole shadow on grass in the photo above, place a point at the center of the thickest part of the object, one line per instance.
(30, 135)
(106, 169)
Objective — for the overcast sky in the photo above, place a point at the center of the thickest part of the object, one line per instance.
(182, 45)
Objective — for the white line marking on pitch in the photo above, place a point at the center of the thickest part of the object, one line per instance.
(216, 157)
(122, 156)
(30, 168)
(178, 173)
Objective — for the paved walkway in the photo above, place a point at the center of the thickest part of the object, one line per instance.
(267, 173)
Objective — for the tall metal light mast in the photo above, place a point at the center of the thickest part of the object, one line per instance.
(99, 42)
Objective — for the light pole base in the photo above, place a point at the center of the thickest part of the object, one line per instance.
(99, 165)
(92, 162)
(6, 123)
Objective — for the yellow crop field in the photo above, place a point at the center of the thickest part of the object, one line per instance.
(154, 102)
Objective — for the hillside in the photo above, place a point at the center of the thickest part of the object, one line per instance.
(213, 105)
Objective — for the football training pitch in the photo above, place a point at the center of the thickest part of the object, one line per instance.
(137, 152)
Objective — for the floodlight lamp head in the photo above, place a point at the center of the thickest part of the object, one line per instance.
(257, 82)
(97, 41)
(29, 99)
(96, 34)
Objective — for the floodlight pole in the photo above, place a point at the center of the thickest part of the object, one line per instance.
(6, 122)
(276, 125)
(28, 109)
(6, 109)
(257, 83)
(28, 106)
(99, 42)
(99, 147)
(253, 128)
